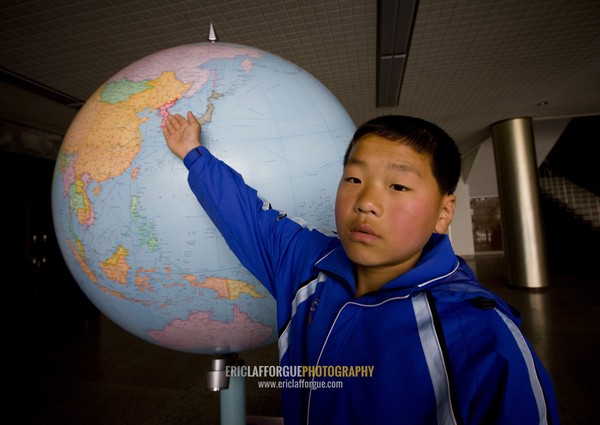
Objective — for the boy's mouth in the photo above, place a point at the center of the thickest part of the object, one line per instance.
(363, 233)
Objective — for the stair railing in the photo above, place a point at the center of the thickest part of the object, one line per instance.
(574, 197)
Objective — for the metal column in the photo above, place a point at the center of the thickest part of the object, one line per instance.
(232, 389)
(518, 187)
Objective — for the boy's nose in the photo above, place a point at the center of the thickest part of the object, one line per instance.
(368, 202)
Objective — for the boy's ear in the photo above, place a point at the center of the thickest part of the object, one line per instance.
(446, 213)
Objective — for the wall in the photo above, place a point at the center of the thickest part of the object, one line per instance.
(461, 230)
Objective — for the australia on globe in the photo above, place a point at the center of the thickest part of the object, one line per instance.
(131, 231)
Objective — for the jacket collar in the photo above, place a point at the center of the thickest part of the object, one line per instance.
(437, 261)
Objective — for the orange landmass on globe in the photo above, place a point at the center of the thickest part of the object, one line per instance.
(81, 258)
(199, 332)
(192, 280)
(230, 288)
(79, 254)
(107, 138)
(113, 293)
(142, 276)
(116, 267)
(85, 214)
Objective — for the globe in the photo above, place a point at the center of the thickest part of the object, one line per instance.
(129, 228)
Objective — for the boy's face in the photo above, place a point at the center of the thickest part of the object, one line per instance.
(388, 204)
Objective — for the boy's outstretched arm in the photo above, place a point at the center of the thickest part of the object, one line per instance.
(182, 135)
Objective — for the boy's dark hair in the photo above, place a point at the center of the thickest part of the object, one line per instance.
(424, 137)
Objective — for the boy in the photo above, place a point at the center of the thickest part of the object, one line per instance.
(387, 293)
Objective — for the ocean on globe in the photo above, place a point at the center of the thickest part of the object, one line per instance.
(131, 231)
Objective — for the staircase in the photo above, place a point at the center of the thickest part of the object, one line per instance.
(581, 203)
(572, 220)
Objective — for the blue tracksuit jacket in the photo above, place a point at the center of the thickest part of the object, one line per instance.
(442, 348)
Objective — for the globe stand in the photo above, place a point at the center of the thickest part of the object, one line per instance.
(232, 389)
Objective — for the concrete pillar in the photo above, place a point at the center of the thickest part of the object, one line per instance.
(518, 188)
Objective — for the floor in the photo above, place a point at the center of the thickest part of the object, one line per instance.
(71, 365)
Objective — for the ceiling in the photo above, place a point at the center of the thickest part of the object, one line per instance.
(470, 63)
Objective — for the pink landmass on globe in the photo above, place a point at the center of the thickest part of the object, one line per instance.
(199, 332)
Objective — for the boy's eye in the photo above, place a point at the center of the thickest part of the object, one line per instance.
(398, 187)
(353, 180)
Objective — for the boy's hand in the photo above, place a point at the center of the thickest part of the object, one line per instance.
(181, 135)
